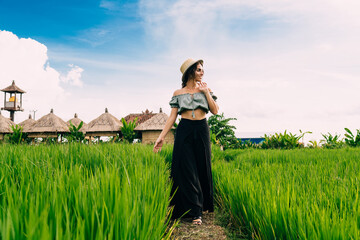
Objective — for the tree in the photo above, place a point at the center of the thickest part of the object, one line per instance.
(17, 136)
(283, 140)
(222, 133)
(127, 130)
(351, 139)
(75, 134)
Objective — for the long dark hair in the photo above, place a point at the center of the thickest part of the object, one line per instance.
(190, 73)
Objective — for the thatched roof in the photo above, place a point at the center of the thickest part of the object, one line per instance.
(76, 121)
(13, 88)
(105, 123)
(27, 124)
(5, 124)
(157, 122)
(49, 123)
(141, 117)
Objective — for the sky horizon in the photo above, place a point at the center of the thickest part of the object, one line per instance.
(274, 65)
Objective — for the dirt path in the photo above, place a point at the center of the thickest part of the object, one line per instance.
(208, 229)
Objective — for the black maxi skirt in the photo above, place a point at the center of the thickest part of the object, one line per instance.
(191, 169)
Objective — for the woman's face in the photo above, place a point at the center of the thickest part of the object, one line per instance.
(199, 73)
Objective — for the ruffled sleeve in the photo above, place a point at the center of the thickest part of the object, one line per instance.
(213, 96)
(174, 102)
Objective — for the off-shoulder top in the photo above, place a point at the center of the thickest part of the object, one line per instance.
(189, 101)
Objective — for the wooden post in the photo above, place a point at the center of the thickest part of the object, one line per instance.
(12, 115)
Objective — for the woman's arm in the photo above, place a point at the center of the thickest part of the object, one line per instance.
(213, 106)
(168, 125)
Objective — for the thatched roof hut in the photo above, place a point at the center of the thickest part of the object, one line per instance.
(141, 117)
(151, 129)
(157, 122)
(27, 124)
(49, 125)
(105, 125)
(13, 88)
(76, 121)
(5, 126)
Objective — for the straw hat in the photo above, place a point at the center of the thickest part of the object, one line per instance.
(187, 64)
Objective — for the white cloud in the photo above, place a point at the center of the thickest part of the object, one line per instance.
(73, 76)
(26, 62)
(107, 4)
(275, 65)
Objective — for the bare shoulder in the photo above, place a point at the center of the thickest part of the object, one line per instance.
(178, 92)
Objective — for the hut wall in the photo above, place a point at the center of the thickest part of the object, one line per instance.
(43, 135)
(150, 137)
(101, 134)
(1, 136)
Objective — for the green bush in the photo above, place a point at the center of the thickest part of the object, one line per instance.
(17, 136)
(332, 141)
(75, 135)
(222, 133)
(283, 141)
(350, 139)
(127, 130)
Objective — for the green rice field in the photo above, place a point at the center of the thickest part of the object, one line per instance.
(110, 191)
(122, 191)
(291, 194)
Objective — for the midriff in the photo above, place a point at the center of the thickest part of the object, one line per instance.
(199, 114)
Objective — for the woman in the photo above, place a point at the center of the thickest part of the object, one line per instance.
(191, 160)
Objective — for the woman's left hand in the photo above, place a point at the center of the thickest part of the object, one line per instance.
(203, 87)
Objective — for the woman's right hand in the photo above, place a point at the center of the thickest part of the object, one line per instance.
(158, 145)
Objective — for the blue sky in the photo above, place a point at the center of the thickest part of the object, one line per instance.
(97, 29)
(274, 65)
(73, 23)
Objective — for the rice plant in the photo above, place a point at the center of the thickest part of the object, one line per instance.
(292, 194)
(76, 191)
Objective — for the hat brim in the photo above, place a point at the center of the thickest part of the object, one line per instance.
(195, 62)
